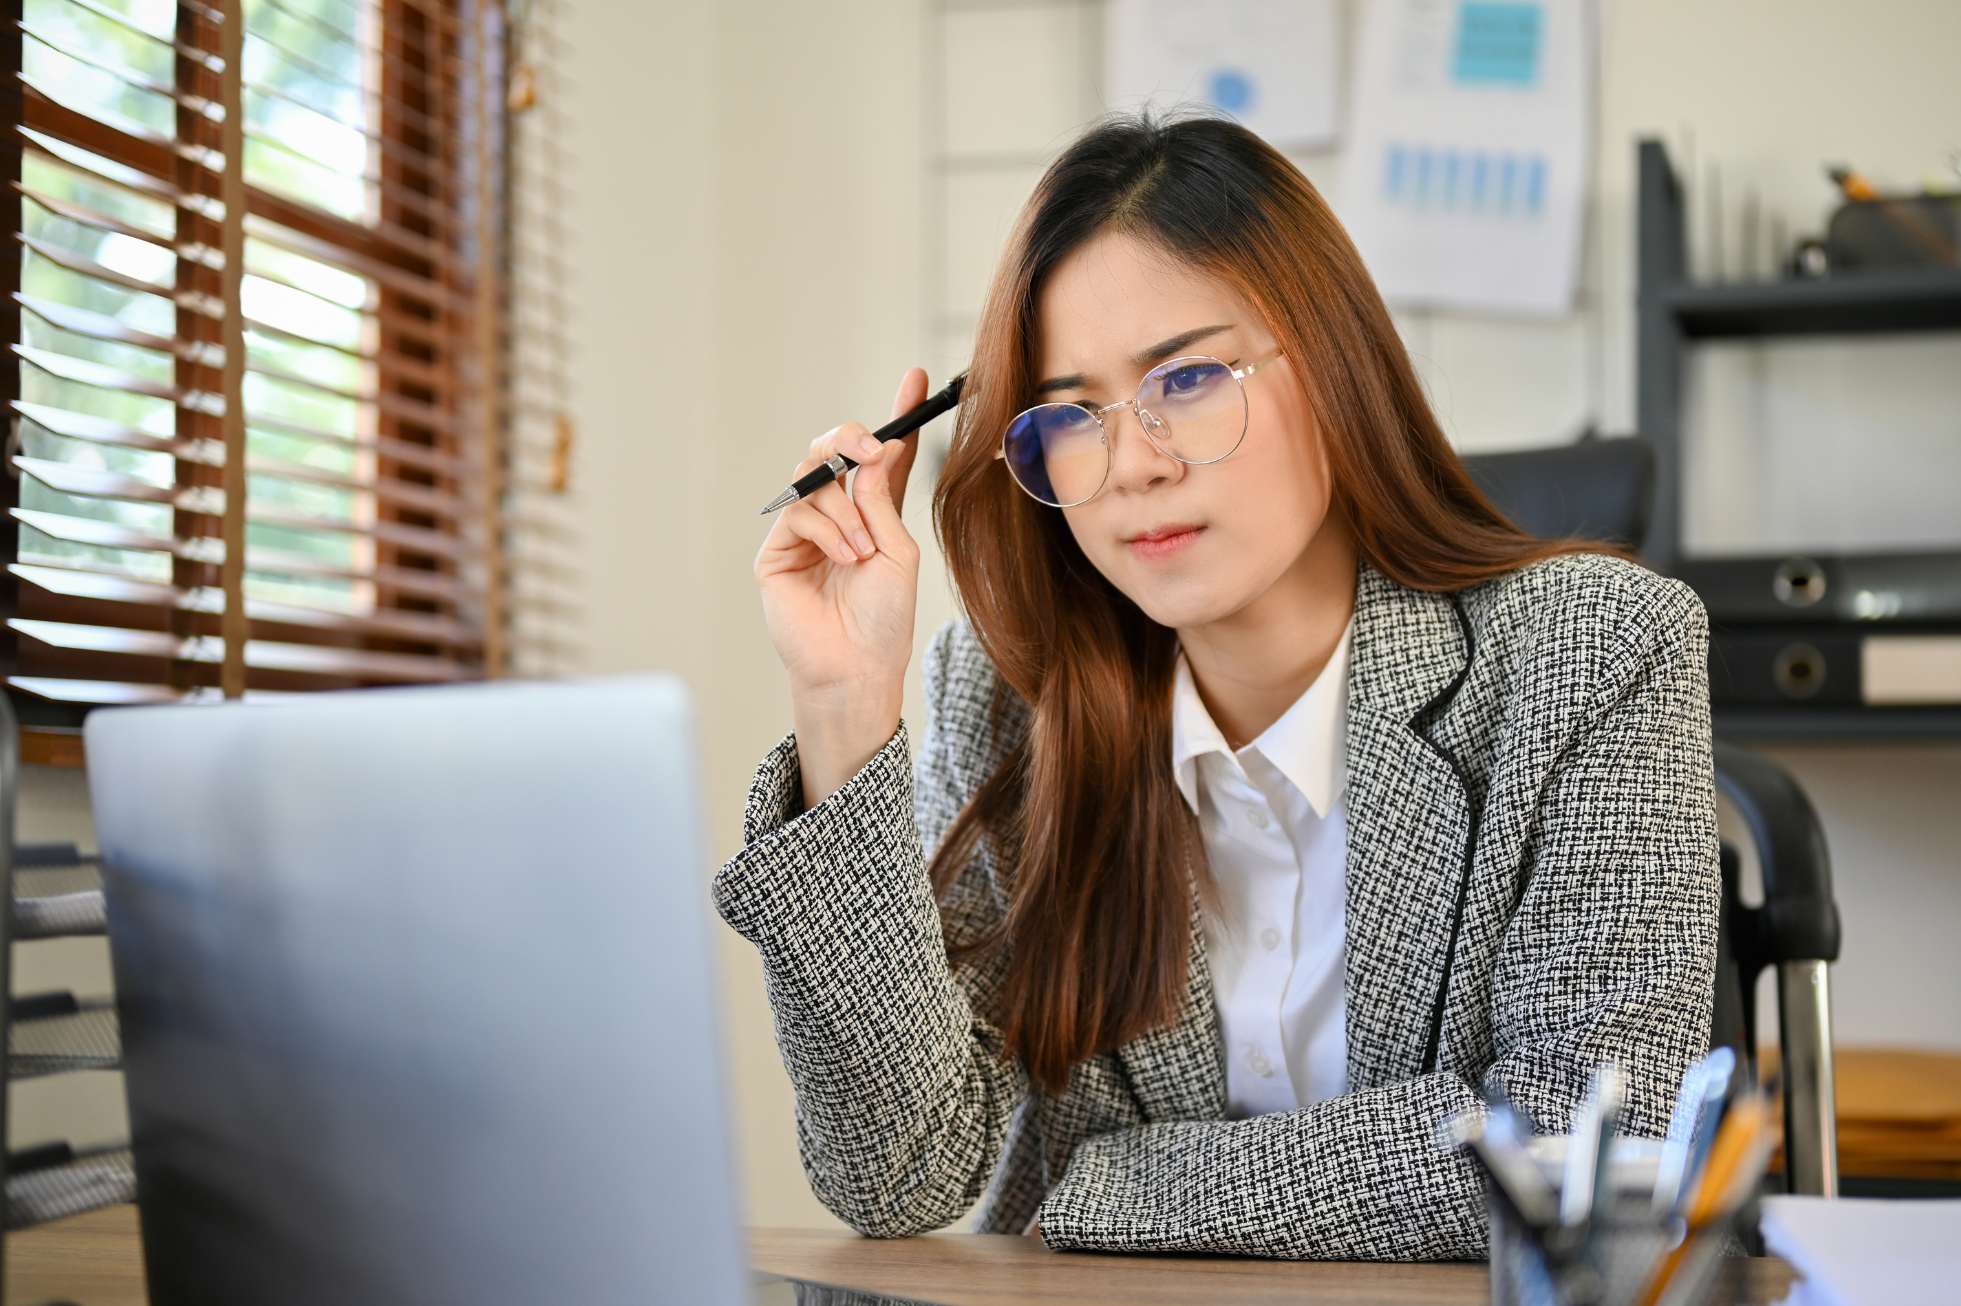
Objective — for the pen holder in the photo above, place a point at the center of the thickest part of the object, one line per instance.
(1618, 1258)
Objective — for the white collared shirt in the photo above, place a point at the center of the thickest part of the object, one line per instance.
(1271, 818)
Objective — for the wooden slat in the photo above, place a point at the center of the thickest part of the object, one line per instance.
(88, 217)
(389, 624)
(428, 206)
(381, 239)
(191, 52)
(268, 655)
(107, 693)
(100, 326)
(387, 56)
(393, 491)
(97, 483)
(340, 256)
(50, 151)
(99, 430)
(405, 580)
(127, 76)
(403, 450)
(109, 535)
(44, 114)
(418, 159)
(84, 372)
(413, 410)
(83, 265)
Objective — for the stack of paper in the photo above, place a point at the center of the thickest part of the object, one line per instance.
(1866, 1251)
(1899, 1112)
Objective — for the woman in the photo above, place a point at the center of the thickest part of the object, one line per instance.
(1278, 798)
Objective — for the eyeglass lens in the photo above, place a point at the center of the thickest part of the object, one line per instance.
(1193, 409)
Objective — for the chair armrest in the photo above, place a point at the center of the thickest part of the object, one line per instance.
(1797, 930)
(1799, 917)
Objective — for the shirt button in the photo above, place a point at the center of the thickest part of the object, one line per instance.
(1269, 938)
(1261, 1066)
(1257, 817)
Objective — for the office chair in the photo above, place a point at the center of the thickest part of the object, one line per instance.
(1602, 489)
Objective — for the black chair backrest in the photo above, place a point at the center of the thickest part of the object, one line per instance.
(1594, 489)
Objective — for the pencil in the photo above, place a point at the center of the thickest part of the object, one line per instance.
(1735, 1162)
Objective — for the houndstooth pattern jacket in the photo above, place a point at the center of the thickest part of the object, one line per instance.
(1532, 890)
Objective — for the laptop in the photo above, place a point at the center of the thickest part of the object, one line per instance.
(416, 997)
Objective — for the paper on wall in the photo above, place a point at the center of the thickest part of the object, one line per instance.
(1275, 65)
(1464, 182)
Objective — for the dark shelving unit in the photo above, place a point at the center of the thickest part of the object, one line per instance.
(1848, 304)
(54, 891)
(1789, 635)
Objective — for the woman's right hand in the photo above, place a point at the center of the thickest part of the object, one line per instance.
(840, 579)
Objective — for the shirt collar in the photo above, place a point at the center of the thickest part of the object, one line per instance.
(1308, 744)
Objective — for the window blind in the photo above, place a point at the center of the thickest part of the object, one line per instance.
(256, 439)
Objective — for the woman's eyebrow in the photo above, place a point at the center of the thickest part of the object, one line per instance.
(1164, 349)
(1157, 353)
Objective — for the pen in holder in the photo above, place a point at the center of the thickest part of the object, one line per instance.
(1592, 1219)
(1611, 1261)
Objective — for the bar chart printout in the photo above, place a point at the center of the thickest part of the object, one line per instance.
(1466, 169)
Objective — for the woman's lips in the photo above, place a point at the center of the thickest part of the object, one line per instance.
(1164, 542)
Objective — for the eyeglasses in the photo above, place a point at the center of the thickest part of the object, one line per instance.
(1192, 409)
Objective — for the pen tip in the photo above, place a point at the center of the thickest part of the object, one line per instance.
(784, 499)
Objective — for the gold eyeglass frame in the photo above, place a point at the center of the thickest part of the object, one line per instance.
(1145, 420)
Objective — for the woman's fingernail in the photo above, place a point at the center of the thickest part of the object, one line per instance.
(845, 555)
(864, 543)
(867, 448)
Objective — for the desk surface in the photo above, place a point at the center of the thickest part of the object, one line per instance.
(983, 1269)
(95, 1260)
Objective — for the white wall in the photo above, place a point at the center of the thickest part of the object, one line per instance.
(746, 179)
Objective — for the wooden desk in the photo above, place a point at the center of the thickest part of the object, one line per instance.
(95, 1260)
(986, 1269)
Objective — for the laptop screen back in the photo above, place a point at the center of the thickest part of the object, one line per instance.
(416, 997)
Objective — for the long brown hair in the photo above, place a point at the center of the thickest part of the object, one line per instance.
(1099, 847)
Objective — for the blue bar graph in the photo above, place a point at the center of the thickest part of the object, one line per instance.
(1450, 179)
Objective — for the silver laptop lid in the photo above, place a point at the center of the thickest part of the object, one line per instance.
(416, 997)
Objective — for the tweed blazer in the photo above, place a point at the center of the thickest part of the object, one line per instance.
(1532, 889)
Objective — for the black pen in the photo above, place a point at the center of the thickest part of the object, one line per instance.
(903, 425)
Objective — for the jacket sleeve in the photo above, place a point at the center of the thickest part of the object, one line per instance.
(1608, 956)
(903, 1095)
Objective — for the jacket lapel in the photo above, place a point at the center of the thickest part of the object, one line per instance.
(1408, 819)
